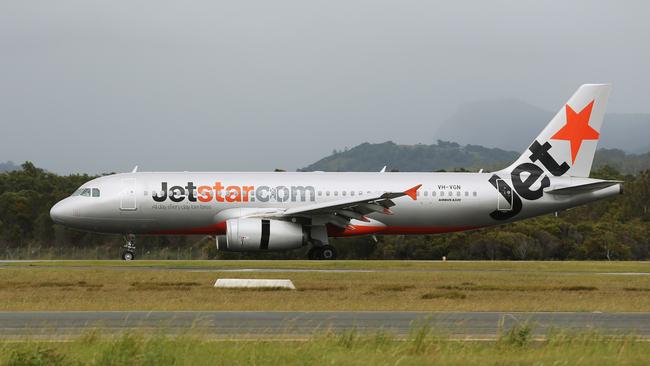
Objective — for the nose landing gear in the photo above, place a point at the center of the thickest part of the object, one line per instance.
(128, 252)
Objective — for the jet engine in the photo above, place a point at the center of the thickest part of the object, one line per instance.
(243, 235)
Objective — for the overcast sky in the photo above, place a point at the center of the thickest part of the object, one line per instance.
(99, 86)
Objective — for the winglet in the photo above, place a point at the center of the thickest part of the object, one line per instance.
(135, 170)
(413, 192)
(383, 170)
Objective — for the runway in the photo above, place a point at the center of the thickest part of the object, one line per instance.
(472, 325)
(61, 264)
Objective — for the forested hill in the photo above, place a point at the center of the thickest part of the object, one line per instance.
(413, 158)
(622, 162)
(451, 156)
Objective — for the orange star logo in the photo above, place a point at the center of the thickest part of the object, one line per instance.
(577, 129)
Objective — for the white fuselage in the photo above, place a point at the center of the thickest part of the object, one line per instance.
(200, 203)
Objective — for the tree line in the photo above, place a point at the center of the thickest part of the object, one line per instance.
(617, 228)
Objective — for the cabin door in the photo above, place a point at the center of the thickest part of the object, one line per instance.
(504, 196)
(128, 201)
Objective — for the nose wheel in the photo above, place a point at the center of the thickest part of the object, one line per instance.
(128, 251)
(323, 252)
(128, 255)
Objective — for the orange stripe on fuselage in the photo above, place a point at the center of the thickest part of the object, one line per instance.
(357, 230)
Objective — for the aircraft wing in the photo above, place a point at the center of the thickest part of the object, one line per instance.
(340, 212)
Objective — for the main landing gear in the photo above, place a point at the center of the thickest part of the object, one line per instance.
(320, 248)
(128, 253)
(323, 252)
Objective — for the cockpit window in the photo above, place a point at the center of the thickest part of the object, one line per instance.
(87, 192)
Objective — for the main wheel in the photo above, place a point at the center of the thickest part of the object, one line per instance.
(327, 252)
(128, 255)
(314, 253)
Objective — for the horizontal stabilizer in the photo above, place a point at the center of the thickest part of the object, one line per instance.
(583, 188)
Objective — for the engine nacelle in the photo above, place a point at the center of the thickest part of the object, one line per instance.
(245, 235)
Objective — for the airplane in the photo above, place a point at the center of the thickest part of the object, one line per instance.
(272, 211)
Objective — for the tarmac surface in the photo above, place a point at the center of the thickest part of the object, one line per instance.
(61, 264)
(235, 324)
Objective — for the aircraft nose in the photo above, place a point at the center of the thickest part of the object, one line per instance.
(60, 211)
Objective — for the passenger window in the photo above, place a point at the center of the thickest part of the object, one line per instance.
(351, 193)
(320, 193)
(466, 194)
(336, 193)
(433, 193)
(360, 193)
(451, 193)
(95, 192)
(327, 193)
(474, 194)
(85, 192)
(458, 194)
(344, 193)
(442, 194)
(426, 193)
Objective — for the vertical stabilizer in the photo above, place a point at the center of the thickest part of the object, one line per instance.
(568, 143)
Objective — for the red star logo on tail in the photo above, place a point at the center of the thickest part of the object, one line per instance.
(577, 129)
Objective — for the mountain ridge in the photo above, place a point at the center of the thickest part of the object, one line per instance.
(449, 156)
(511, 124)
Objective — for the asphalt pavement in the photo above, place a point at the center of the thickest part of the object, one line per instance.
(256, 324)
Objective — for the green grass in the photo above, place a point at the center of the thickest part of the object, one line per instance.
(515, 347)
(418, 286)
